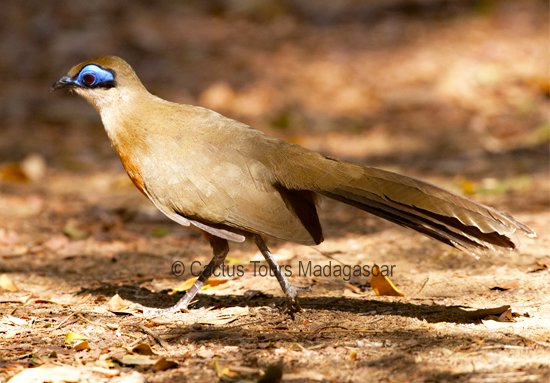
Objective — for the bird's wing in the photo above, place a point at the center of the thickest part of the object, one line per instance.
(226, 192)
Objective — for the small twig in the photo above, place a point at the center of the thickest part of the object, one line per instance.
(334, 329)
(423, 285)
(64, 321)
(327, 255)
(89, 321)
(539, 342)
(159, 340)
(24, 303)
(375, 320)
(326, 327)
(505, 346)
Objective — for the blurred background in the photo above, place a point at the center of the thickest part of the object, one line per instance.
(456, 92)
(433, 88)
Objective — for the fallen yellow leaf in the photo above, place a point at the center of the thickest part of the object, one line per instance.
(213, 281)
(73, 337)
(467, 186)
(382, 285)
(185, 285)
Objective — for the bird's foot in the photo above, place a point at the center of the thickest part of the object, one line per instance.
(149, 312)
(292, 305)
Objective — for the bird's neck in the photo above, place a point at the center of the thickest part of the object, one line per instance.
(126, 123)
(125, 116)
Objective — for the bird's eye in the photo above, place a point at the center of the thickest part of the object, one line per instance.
(88, 79)
(93, 76)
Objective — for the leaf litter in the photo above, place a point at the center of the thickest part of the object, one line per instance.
(81, 246)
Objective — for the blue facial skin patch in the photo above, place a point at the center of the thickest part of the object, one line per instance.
(93, 76)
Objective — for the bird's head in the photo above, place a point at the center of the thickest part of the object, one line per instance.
(102, 81)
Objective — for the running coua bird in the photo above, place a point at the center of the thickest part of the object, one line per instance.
(234, 182)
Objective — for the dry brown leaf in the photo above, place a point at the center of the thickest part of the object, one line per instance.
(117, 304)
(164, 364)
(81, 345)
(506, 316)
(539, 266)
(500, 318)
(509, 285)
(480, 314)
(382, 285)
(12, 173)
(32, 168)
(143, 349)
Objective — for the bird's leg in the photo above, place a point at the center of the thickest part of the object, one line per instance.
(220, 248)
(290, 290)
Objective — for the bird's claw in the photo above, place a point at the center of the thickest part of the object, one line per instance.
(149, 312)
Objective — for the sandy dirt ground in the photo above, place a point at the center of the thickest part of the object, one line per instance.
(456, 93)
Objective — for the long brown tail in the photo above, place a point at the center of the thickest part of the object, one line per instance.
(445, 216)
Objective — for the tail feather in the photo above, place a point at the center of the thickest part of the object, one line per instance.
(428, 209)
(445, 216)
(431, 229)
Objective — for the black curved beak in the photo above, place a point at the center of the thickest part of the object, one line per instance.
(63, 82)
